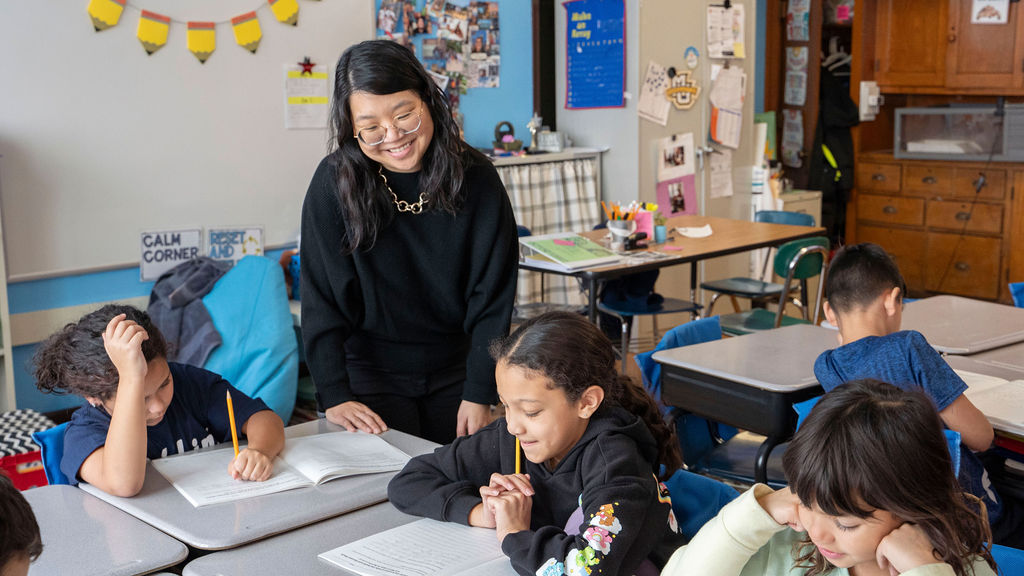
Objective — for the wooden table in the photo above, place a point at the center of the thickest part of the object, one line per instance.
(232, 524)
(728, 237)
(750, 382)
(958, 325)
(84, 535)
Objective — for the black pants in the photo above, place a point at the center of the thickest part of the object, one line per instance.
(424, 405)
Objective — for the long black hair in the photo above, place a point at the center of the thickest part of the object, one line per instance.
(385, 67)
(867, 446)
(574, 354)
(74, 359)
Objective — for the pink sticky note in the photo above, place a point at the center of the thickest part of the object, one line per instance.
(671, 247)
(842, 13)
(561, 242)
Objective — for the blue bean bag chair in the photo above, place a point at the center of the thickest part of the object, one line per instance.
(259, 353)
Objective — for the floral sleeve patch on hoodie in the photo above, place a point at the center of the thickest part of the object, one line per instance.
(600, 533)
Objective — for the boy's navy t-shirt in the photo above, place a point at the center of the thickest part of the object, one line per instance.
(906, 360)
(196, 417)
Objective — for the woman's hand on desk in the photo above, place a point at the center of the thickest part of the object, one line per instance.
(472, 417)
(251, 465)
(357, 416)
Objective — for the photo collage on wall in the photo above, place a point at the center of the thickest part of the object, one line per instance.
(459, 41)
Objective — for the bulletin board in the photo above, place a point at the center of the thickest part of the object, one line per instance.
(595, 54)
(100, 141)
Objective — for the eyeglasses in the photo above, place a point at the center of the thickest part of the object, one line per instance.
(406, 123)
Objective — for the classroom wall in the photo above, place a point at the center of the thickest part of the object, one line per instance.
(40, 304)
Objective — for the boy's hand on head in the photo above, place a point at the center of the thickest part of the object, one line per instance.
(784, 507)
(251, 465)
(905, 548)
(123, 340)
(511, 510)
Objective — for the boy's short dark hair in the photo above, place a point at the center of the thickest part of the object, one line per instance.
(858, 274)
(19, 531)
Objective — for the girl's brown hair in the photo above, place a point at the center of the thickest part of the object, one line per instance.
(74, 359)
(575, 355)
(868, 446)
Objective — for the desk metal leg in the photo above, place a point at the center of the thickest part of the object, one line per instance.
(761, 463)
(592, 299)
(694, 314)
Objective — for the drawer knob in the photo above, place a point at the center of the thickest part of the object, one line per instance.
(963, 216)
(962, 266)
(878, 177)
(928, 180)
(889, 210)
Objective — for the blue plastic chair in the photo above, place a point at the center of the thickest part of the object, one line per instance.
(1009, 560)
(259, 353)
(696, 499)
(1017, 292)
(51, 446)
(697, 436)
(755, 289)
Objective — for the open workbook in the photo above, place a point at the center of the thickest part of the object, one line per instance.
(202, 478)
(1000, 400)
(424, 548)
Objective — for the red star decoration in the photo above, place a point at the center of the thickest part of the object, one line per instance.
(307, 66)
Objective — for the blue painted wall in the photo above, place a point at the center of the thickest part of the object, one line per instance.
(484, 108)
(65, 291)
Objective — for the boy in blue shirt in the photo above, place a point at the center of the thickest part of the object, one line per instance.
(142, 406)
(864, 291)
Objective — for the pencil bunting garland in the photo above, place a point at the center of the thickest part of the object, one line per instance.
(201, 37)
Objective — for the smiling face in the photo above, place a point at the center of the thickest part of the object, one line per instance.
(847, 541)
(158, 394)
(398, 152)
(546, 422)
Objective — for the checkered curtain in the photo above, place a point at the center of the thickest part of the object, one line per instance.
(547, 198)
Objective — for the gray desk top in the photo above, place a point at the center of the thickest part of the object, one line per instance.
(84, 535)
(1010, 357)
(296, 552)
(780, 360)
(957, 325)
(232, 524)
(990, 367)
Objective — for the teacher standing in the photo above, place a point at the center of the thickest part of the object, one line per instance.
(408, 256)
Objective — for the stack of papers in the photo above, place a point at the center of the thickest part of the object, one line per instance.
(566, 252)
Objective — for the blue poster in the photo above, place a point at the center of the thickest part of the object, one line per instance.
(595, 53)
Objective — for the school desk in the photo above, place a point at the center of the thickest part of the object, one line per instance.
(296, 552)
(728, 237)
(958, 325)
(991, 405)
(232, 524)
(84, 535)
(750, 382)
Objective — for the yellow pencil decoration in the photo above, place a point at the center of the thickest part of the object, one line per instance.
(105, 13)
(153, 29)
(518, 451)
(202, 39)
(286, 11)
(231, 419)
(247, 31)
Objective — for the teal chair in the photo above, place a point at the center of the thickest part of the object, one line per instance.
(797, 260)
(755, 289)
(259, 353)
(51, 447)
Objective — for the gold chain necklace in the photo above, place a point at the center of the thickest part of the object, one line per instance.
(402, 205)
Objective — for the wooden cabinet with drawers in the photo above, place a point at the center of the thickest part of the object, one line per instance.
(946, 234)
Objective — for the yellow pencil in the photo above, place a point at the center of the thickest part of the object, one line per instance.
(231, 418)
(518, 450)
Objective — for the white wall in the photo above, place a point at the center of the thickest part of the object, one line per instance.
(100, 141)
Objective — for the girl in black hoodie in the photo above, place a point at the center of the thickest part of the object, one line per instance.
(587, 500)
